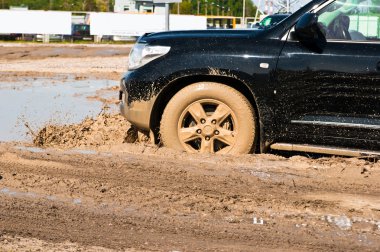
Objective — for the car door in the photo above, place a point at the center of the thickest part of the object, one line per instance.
(333, 97)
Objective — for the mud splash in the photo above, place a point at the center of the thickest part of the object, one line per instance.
(42, 101)
(104, 129)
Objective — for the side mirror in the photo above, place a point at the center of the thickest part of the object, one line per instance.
(309, 33)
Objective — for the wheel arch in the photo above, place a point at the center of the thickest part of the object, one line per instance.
(173, 87)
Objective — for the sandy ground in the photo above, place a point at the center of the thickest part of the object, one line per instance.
(26, 61)
(87, 189)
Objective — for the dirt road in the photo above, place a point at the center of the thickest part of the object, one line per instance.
(156, 199)
(82, 61)
(96, 193)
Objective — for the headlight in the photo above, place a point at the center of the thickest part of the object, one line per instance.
(142, 54)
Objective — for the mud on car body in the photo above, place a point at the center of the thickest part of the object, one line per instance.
(311, 83)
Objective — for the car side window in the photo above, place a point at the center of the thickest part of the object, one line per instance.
(357, 20)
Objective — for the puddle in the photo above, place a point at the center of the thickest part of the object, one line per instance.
(31, 149)
(44, 101)
(343, 222)
(83, 152)
(19, 194)
(72, 151)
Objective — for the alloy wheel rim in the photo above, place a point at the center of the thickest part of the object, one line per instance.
(208, 126)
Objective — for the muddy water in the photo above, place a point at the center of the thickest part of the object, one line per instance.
(43, 101)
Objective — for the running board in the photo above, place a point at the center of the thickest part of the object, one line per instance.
(324, 150)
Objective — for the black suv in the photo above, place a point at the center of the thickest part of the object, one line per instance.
(81, 32)
(270, 21)
(310, 83)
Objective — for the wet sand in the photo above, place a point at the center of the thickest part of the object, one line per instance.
(82, 61)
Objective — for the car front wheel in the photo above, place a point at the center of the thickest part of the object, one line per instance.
(209, 117)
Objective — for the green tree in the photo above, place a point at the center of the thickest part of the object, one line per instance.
(231, 7)
(102, 5)
(69, 5)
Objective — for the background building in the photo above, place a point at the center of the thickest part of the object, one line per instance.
(138, 6)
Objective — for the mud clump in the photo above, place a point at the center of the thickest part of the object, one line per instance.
(105, 129)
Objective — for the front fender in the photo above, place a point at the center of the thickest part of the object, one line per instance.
(242, 82)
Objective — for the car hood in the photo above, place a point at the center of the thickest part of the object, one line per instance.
(200, 34)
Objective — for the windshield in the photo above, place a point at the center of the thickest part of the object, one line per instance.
(81, 27)
(271, 21)
(266, 22)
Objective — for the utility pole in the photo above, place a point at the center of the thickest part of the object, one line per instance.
(167, 10)
(167, 17)
(243, 12)
(257, 11)
(199, 3)
(287, 6)
(178, 8)
(206, 13)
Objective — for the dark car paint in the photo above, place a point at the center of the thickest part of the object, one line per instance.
(81, 32)
(294, 87)
(318, 85)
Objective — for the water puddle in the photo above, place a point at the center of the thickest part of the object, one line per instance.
(19, 194)
(41, 101)
(31, 149)
(72, 151)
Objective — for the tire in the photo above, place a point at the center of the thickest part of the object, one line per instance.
(208, 117)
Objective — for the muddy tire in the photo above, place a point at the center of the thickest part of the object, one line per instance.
(209, 117)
